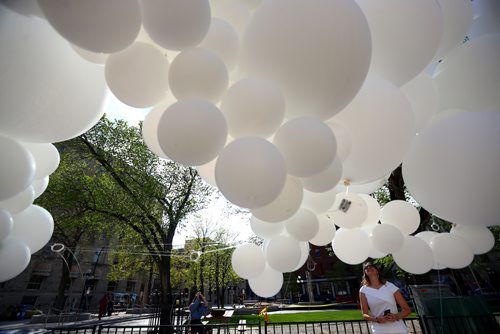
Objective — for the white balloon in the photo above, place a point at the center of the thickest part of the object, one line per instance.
(285, 205)
(451, 251)
(253, 107)
(17, 167)
(250, 172)
(303, 225)
(373, 213)
(326, 231)
(386, 114)
(27, 8)
(138, 75)
(318, 202)
(13, 265)
(237, 13)
(19, 202)
(343, 137)
(442, 173)
(485, 20)
(265, 230)
(326, 179)
(207, 172)
(401, 54)
(457, 19)
(46, 158)
(361, 188)
(93, 57)
(386, 238)
(47, 92)
(39, 186)
(351, 245)
(402, 215)
(283, 253)
(150, 130)
(96, 25)
(34, 226)
(6, 223)
(176, 24)
(426, 236)
(466, 79)
(348, 210)
(223, 40)
(304, 255)
(302, 46)
(200, 73)
(479, 238)
(248, 261)
(307, 144)
(192, 132)
(407, 260)
(422, 94)
(267, 284)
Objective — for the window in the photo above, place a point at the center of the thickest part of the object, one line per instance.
(35, 282)
(111, 286)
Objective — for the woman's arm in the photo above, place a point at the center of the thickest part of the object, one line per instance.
(365, 309)
(405, 309)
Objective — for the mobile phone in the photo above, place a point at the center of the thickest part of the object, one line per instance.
(386, 312)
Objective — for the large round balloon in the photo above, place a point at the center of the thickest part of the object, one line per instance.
(381, 111)
(39, 186)
(267, 284)
(351, 245)
(326, 179)
(466, 79)
(250, 172)
(248, 261)
(457, 19)
(479, 238)
(373, 213)
(97, 25)
(303, 225)
(326, 231)
(401, 54)
(17, 167)
(253, 107)
(386, 238)
(20, 201)
(302, 46)
(406, 258)
(150, 130)
(451, 251)
(13, 265)
(138, 75)
(422, 94)
(318, 202)
(34, 226)
(283, 253)
(401, 214)
(223, 40)
(349, 210)
(285, 205)
(265, 230)
(199, 73)
(48, 93)
(343, 137)
(46, 158)
(176, 24)
(6, 223)
(451, 168)
(192, 132)
(307, 144)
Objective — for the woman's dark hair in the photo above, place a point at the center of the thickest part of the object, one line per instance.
(366, 279)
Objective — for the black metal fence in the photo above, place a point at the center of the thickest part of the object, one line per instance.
(427, 325)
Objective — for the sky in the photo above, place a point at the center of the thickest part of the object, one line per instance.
(237, 224)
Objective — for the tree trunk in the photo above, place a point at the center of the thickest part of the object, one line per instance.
(166, 300)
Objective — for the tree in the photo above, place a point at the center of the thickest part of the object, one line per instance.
(130, 187)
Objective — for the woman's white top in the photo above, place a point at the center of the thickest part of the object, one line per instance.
(382, 299)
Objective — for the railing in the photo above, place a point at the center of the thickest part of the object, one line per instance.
(461, 324)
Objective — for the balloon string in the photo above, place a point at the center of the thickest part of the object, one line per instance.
(347, 183)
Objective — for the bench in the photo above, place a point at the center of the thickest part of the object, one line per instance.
(242, 326)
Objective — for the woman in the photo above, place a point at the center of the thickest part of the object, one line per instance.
(382, 298)
(198, 309)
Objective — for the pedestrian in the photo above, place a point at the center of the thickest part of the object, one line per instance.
(111, 305)
(198, 308)
(103, 305)
(379, 302)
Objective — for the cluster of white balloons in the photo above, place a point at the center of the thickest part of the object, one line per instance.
(282, 104)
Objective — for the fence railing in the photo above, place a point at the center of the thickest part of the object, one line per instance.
(427, 325)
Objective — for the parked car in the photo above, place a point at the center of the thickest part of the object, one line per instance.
(20, 312)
